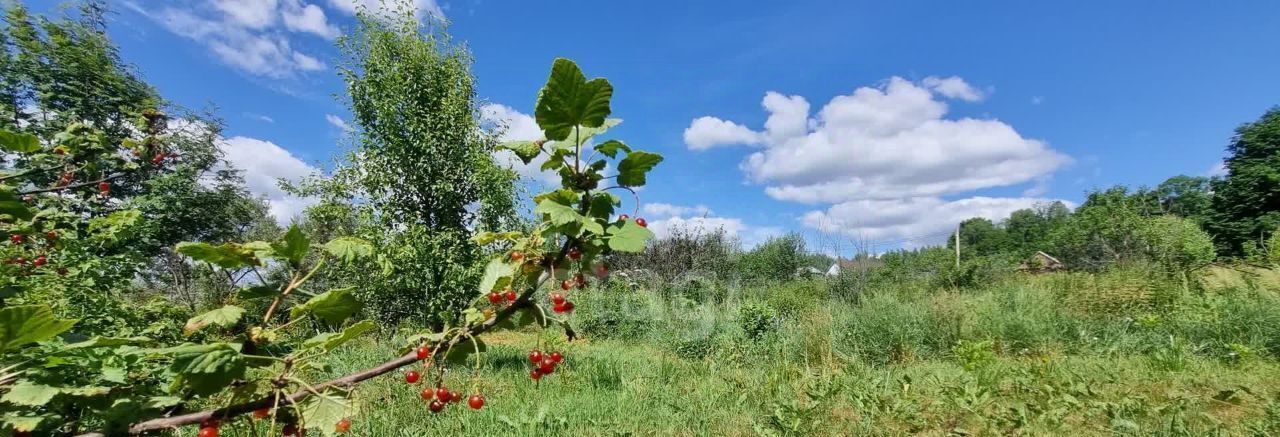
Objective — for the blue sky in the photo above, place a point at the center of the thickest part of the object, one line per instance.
(886, 122)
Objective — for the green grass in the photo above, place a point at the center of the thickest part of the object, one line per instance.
(1046, 355)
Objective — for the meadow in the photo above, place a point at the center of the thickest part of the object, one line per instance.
(1116, 353)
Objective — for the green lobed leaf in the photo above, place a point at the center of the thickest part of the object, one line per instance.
(603, 204)
(331, 306)
(557, 213)
(20, 325)
(632, 169)
(484, 238)
(628, 236)
(15, 142)
(321, 411)
(22, 423)
(32, 395)
(584, 134)
(569, 99)
(497, 268)
(525, 150)
(611, 148)
(226, 316)
(348, 249)
(205, 368)
(293, 247)
(330, 340)
(227, 256)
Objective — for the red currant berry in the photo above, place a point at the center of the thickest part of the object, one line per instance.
(475, 401)
(436, 406)
(104, 187)
(261, 413)
(455, 397)
(494, 298)
(210, 423)
(575, 254)
(580, 279)
(642, 222)
(547, 366)
(568, 306)
(424, 352)
(411, 376)
(208, 431)
(442, 394)
(535, 356)
(557, 298)
(51, 235)
(15, 238)
(624, 217)
(517, 256)
(342, 426)
(510, 295)
(559, 308)
(556, 357)
(427, 393)
(39, 261)
(566, 285)
(535, 374)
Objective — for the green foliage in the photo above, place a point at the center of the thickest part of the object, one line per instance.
(1246, 202)
(757, 319)
(1177, 244)
(777, 259)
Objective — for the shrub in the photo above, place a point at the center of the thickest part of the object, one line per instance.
(1177, 244)
(757, 319)
(777, 259)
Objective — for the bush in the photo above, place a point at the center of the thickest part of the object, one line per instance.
(1177, 244)
(683, 253)
(777, 259)
(757, 319)
(622, 314)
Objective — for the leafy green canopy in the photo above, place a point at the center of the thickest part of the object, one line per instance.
(1246, 202)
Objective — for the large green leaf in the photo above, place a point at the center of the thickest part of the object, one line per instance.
(330, 340)
(331, 306)
(227, 256)
(526, 316)
(484, 238)
(569, 100)
(584, 134)
(632, 169)
(348, 249)
(22, 423)
(628, 236)
(322, 411)
(557, 213)
(205, 368)
(603, 204)
(13, 206)
(294, 245)
(525, 150)
(20, 325)
(226, 316)
(497, 269)
(31, 395)
(612, 147)
(18, 142)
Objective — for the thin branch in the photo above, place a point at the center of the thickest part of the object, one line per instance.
(74, 186)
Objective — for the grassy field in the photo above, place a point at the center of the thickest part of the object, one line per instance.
(1113, 354)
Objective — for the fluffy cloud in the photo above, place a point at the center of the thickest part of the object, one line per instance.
(884, 156)
(246, 34)
(884, 142)
(263, 164)
(517, 126)
(708, 132)
(338, 122)
(953, 87)
(421, 8)
(911, 221)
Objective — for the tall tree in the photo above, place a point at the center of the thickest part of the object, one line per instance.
(424, 166)
(1185, 196)
(1246, 202)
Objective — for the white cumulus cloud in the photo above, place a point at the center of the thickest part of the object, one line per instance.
(338, 122)
(517, 126)
(421, 8)
(914, 221)
(953, 87)
(263, 164)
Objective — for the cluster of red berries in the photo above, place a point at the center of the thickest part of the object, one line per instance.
(440, 395)
(560, 304)
(507, 295)
(543, 364)
(38, 261)
(104, 189)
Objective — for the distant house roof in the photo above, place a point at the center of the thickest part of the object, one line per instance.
(1041, 261)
